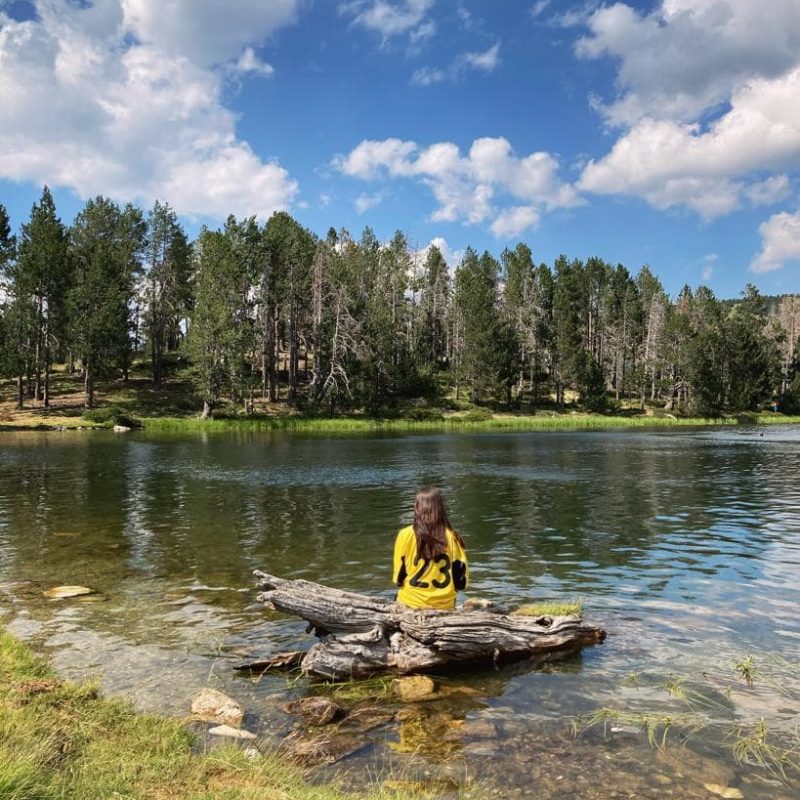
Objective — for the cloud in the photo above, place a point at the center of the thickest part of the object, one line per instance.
(772, 190)
(671, 163)
(539, 8)
(472, 188)
(451, 256)
(708, 262)
(249, 62)
(426, 76)
(780, 242)
(483, 61)
(687, 56)
(120, 98)
(205, 31)
(364, 202)
(391, 18)
(514, 221)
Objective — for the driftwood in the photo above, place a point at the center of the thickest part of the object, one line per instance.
(361, 636)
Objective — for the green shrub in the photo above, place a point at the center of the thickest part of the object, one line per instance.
(423, 414)
(109, 416)
(478, 414)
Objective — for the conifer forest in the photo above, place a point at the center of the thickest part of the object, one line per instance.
(262, 313)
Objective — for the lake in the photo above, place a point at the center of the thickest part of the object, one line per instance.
(684, 545)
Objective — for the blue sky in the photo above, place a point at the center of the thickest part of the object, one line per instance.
(663, 132)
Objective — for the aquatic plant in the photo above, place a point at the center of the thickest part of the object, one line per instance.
(656, 726)
(747, 669)
(754, 745)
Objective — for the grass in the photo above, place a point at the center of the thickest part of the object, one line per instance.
(63, 740)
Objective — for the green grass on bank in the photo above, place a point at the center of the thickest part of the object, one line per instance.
(361, 424)
(498, 422)
(63, 741)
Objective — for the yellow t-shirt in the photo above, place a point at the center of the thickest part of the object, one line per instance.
(428, 584)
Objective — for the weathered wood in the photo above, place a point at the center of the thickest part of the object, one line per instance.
(362, 635)
(278, 662)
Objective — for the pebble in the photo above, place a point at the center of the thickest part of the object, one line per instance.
(728, 792)
(64, 592)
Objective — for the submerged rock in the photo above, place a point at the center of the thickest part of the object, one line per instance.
(65, 592)
(213, 706)
(324, 749)
(232, 733)
(472, 729)
(728, 792)
(314, 710)
(366, 718)
(412, 688)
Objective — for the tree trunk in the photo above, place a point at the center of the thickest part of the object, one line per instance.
(273, 358)
(207, 410)
(46, 391)
(362, 635)
(88, 385)
(20, 391)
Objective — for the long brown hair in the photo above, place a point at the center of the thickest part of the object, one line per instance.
(431, 524)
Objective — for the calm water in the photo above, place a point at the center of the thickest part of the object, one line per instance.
(684, 545)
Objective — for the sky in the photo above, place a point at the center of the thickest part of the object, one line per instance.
(664, 133)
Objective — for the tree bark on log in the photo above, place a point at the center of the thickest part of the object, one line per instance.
(362, 636)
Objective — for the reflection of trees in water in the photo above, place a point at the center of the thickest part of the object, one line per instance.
(210, 509)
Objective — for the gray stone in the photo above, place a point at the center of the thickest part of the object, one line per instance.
(232, 733)
(213, 706)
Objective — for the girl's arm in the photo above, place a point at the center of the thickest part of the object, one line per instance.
(399, 570)
(460, 568)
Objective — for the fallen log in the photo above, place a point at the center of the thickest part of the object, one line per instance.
(361, 636)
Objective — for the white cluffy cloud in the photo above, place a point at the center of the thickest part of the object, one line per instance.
(123, 98)
(392, 18)
(364, 202)
(482, 61)
(780, 242)
(688, 56)
(470, 188)
(670, 163)
(707, 103)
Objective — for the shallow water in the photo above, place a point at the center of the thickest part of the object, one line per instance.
(684, 545)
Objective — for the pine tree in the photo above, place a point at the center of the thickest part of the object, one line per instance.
(221, 334)
(40, 280)
(167, 293)
(753, 367)
(107, 245)
(480, 362)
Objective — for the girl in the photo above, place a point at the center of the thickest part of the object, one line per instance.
(430, 563)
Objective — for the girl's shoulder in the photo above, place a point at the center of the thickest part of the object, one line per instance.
(453, 538)
(407, 531)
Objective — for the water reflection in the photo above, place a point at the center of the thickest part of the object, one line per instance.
(686, 546)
